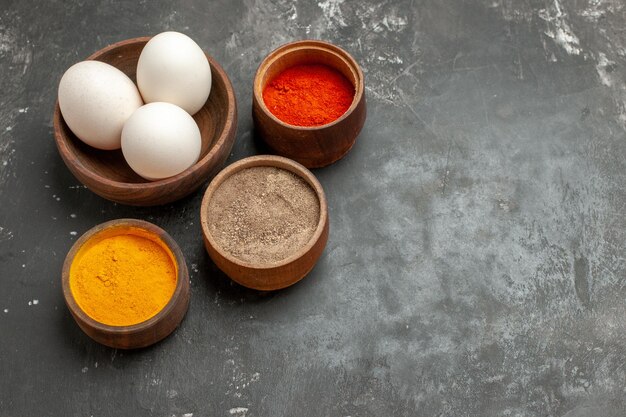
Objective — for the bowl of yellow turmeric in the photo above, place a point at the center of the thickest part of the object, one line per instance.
(126, 283)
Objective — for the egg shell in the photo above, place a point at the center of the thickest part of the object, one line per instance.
(160, 140)
(172, 68)
(96, 99)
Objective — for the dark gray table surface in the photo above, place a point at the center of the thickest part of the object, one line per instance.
(476, 264)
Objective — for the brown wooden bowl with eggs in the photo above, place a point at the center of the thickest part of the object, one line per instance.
(108, 174)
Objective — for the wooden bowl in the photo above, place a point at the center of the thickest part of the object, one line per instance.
(315, 146)
(107, 174)
(150, 331)
(267, 276)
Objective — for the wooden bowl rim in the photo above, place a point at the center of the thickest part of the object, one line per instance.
(153, 185)
(310, 44)
(182, 276)
(265, 161)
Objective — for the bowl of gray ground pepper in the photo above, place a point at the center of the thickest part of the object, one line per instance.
(265, 221)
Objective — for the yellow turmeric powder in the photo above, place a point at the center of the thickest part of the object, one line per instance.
(123, 279)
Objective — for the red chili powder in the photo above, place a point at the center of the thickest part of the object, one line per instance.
(308, 95)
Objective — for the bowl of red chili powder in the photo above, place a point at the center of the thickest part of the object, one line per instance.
(309, 102)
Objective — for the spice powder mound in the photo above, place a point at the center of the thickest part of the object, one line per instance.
(123, 279)
(263, 214)
(309, 95)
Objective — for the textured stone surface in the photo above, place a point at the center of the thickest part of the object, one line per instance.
(475, 265)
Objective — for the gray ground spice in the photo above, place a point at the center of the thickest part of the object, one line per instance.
(263, 214)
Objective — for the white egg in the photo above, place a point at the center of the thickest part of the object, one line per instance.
(96, 99)
(172, 68)
(160, 140)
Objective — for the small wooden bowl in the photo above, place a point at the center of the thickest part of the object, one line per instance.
(315, 146)
(107, 174)
(265, 276)
(142, 334)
